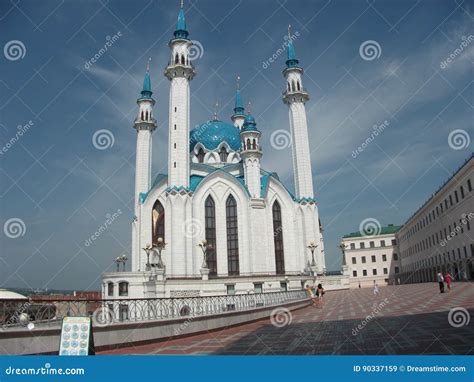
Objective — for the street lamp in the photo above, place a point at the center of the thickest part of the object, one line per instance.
(312, 247)
(204, 247)
(124, 259)
(148, 249)
(118, 261)
(160, 244)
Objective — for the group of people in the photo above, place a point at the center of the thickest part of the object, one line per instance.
(315, 293)
(447, 278)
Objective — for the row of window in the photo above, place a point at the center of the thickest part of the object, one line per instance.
(374, 258)
(374, 272)
(438, 237)
(122, 288)
(449, 201)
(223, 154)
(158, 231)
(372, 244)
(441, 258)
(257, 287)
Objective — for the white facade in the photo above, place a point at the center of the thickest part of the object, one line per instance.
(256, 231)
(372, 259)
(439, 237)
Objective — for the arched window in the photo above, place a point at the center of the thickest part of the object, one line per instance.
(223, 154)
(142, 116)
(123, 288)
(278, 239)
(289, 89)
(200, 155)
(232, 237)
(248, 143)
(298, 85)
(210, 221)
(182, 60)
(146, 116)
(176, 59)
(158, 222)
(110, 289)
(254, 145)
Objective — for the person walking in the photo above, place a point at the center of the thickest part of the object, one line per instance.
(440, 282)
(448, 278)
(320, 292)
(376, 289)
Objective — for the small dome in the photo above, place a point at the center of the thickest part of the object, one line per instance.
(211, 133)
(249, 124)
(10, 295)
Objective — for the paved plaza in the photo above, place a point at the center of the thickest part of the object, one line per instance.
(406, 319)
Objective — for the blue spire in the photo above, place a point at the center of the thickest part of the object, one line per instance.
(181, 31)
(239, 106)
(146, 92)
(292, 61)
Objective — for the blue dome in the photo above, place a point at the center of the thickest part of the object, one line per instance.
(212, 133)
(249, 124)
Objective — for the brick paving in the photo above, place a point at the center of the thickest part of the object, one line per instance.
(406, 319)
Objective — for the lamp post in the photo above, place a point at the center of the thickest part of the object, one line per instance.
(148, 249)
(204, 247)
(123, 259)
(118, 261)
(312, 247)
(160, 245)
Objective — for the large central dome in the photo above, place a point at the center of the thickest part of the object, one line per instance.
(211, 133)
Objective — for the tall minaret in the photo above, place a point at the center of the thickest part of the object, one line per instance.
(145, 123)
(179, 71)
(239, 112)
(251, 153)
(295, 97)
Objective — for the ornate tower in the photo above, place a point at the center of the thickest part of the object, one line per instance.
(179, 71)
(295, 97)
(239, 112)
(251, 154)
(145, 123)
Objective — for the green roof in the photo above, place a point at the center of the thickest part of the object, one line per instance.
(390, 229)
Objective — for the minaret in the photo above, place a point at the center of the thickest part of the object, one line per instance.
(179, 71)
(145, 123)
(239, 112)
(251, 152)
(295, 97)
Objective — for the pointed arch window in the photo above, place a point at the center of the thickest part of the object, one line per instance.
(232, 237)
(142, 116)
(278, 239)
(182, 60)
(158, 222)
(176, 59)
(200, 155)
(223, 154)
(210, 224)
(254, 145)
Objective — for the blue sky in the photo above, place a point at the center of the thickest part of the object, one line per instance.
(62, 188)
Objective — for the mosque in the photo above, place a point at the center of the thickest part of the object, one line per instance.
(218, 223)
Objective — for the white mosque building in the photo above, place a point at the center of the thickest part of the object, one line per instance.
(218, 223)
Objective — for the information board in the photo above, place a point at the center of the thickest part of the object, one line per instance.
(76, 336)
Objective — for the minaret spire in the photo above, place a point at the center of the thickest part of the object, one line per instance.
(239, 110)
(181, 31)
(216, 105)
